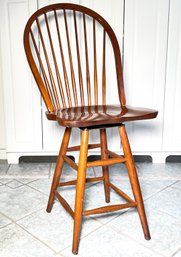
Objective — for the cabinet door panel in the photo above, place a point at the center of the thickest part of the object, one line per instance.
(22, 100)
(172, 121)
(145, 46)
(2, 119)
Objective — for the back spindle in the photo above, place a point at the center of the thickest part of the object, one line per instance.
(70, 60)
(45, 79)
(87, 63)
(52, 81)
(66, 80)
(79, 62)
(95, 66)
(104, 69)
(55, 62)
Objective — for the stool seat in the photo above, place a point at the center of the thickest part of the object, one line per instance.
(94, 115)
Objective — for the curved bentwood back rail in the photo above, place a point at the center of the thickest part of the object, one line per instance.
(71, 50)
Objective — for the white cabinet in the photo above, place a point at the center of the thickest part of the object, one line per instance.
(145, 51)
(21, 97)
(151, 54)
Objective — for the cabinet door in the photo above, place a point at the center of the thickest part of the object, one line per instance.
(52, 132)
(2, 120)
(21, 97)
(172, 120)
(145, 47)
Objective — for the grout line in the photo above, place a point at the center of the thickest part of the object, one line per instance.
(114, 216)
(177, 187)
(82, 237)
(8, 169)
(164, 188)
(60, 252)
(38, 239)
(29, 214)
(134, 240)
(49, 175)
(178, 250)
(28, 185)
(31, 180)
(172, 216)
(12, 221)
(61, 255)
(4, 184)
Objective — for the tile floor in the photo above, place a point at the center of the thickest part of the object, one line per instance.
(26, 230)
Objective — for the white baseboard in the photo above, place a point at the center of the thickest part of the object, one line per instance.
(157, 157)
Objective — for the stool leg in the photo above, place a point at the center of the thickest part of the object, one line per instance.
(105, 169)
(59, 166)
(81, 177)
(134, 181)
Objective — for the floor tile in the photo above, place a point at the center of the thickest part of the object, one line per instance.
(167, 201)
(70, 173)
(43, 185)
(16, 242)
(118, 170)
(148, 186)
(24, 194)
(177, 184)
(14, 184)
(4, 220)
(97, 171)
(159, 171)
(18, 202)
(108, 243)
(4, 181)
(165, 230)
(174, 169)
(55, 228)
(26, 181)
(3, 169)
(178, 254)
(67, 171)
(95, 197)
(58, 255)
(28, 170)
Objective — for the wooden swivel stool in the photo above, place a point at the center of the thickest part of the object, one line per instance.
(74, 54)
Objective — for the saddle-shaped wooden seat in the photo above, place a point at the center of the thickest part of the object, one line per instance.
(86, 116)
